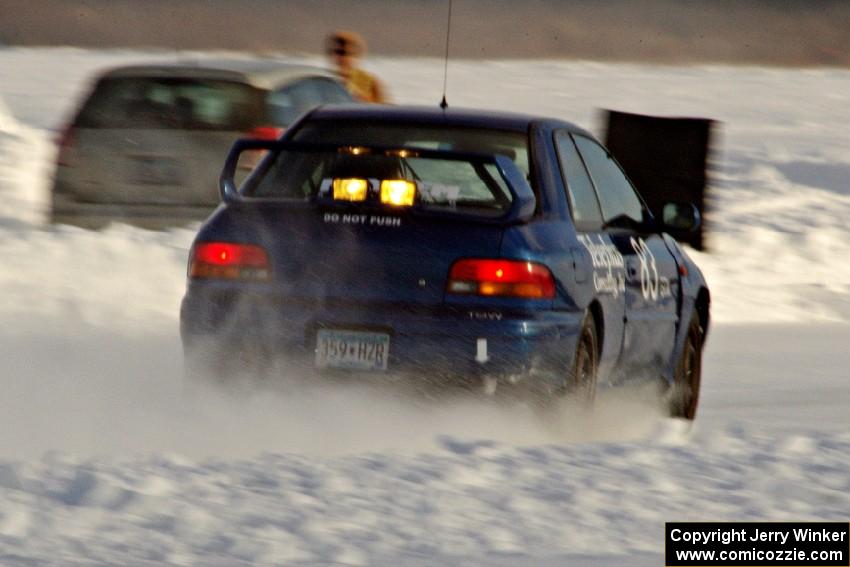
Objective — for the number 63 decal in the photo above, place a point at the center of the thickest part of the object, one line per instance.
(651, 284)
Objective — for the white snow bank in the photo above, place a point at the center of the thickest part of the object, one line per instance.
(778, 235)
(25, 160)
(120, 278)
(467, 502)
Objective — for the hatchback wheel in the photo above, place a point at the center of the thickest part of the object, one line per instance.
(582, 380)
(684, 396)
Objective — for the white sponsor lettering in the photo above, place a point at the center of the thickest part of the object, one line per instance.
(609, 283)
(608, 265)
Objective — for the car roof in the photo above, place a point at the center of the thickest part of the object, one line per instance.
(264, 74)
(461, 117)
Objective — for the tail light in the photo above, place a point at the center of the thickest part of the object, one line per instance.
(501, 278)
(265, 133)
(229, 261)
(251, 158)
(65, 143)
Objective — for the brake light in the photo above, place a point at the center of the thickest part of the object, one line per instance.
(265, 132)
(501, 278)
(229, 261)
(65, 143)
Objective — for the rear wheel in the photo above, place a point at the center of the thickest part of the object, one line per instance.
(582, 380)
(684, 395)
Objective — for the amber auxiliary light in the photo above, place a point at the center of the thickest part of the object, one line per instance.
(398, 192)
(351, 189)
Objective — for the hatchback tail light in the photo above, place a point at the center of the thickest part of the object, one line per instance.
(65, 141)
(251, 158)
(229, 261)
(265, 132)
(501, 278)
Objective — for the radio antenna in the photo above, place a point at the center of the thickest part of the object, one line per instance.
(443, 104)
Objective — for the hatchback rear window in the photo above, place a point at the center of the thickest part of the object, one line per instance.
(451, 184)
(172, 104)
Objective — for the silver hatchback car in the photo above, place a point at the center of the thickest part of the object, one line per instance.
(146, 145)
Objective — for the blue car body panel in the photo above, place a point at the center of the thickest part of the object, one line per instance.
(391, 278)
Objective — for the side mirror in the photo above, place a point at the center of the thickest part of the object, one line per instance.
(680, 217)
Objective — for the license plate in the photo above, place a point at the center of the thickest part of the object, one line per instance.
(354, 350)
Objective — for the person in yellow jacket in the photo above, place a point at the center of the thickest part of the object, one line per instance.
(344, 49)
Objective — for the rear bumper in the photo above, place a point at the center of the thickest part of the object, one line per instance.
(66, 210)
(434, 342)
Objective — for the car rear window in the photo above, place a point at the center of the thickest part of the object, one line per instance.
(171, 104)
(450, 184)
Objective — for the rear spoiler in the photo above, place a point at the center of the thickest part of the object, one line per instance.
(523, 200)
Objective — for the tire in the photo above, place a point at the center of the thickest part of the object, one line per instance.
(684, 395)
(581, 382)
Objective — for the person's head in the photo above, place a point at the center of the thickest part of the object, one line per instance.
(344, 47)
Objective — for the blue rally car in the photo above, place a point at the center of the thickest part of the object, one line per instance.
(459, 244)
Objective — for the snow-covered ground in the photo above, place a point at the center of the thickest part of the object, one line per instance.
(103, 461)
